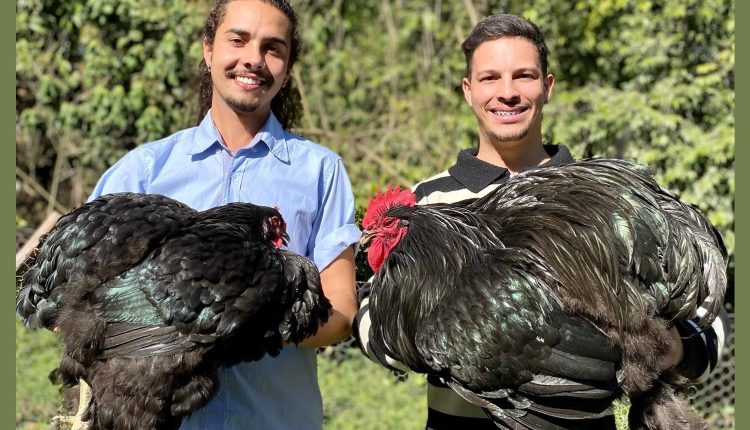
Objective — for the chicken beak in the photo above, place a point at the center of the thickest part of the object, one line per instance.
(365, 238)
(285, 238)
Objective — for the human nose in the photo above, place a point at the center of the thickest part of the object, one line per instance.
(507, 91)
(252, 57)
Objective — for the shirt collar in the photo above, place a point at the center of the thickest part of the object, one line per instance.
(271, 134)
(476, 174)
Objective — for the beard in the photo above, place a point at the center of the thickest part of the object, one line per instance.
(507, 137)
(242, 106)
(502, 136)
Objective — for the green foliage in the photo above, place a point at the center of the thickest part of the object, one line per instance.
(95, 78)
(37, 400)
(377, 80)
(621, 407)
(359, 394)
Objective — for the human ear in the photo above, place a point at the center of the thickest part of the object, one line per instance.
(549, 82)
(207, 52)
(466, 86)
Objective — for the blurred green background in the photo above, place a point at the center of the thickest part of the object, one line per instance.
(379, 82)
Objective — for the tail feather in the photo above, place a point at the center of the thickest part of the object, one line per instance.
(517, 411)
(703, 242)
(553, 386)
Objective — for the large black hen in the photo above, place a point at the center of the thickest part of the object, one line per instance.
(151, 298)
(536, 299)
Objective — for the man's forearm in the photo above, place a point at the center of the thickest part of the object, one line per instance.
(337, 280)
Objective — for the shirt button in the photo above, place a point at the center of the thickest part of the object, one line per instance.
(218, 151)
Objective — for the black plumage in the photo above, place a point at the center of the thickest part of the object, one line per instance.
(151, 298)
(544, 296)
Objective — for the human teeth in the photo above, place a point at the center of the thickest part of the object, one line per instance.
(503, 113)
(249, 81)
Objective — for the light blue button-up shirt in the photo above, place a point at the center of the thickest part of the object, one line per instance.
(309, 185)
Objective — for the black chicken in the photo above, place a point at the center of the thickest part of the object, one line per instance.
(151, 298)
(535, 299)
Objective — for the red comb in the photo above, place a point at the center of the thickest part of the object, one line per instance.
(384, 201)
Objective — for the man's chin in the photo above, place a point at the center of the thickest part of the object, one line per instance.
(508, 137)
(243, 106)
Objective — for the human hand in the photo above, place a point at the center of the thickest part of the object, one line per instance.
(674, 356)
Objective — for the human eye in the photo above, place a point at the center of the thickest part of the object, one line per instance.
(276, 49)
(527, 75)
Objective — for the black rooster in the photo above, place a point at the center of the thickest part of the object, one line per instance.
(151, 298)
(537, 298)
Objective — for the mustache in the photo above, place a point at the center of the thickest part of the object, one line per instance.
(262, 74)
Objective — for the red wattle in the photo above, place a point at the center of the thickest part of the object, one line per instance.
(381, 247)
(376, 256)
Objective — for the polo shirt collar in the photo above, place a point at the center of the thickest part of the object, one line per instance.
(476, 175)
(207, 136)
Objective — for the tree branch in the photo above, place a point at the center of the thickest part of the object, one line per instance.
(39, 190)
(472, 12)
(33, 241)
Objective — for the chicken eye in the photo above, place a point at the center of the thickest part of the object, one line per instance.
(389, 222)
(278, 225)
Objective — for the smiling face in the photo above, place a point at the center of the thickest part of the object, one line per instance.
(507, 90)
(249, 58)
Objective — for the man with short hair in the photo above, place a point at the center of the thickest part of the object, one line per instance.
(507, 84)
(241, 151)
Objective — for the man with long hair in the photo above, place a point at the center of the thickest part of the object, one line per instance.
(242, 151)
